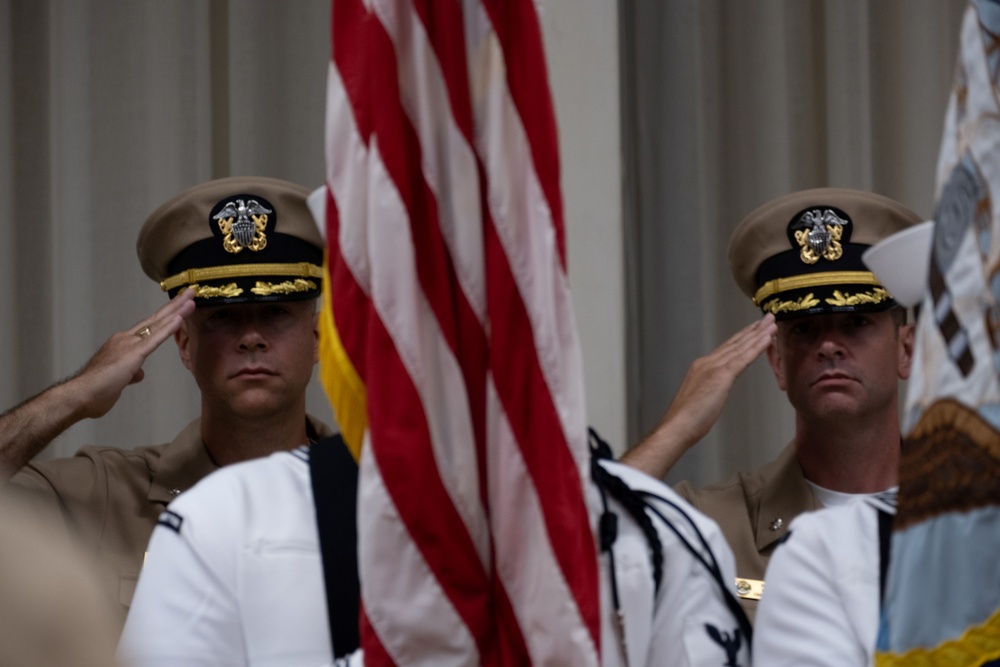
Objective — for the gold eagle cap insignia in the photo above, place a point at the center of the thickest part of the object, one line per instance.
(820, 236)
(242, 224)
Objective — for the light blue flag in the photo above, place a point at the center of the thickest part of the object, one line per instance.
(942, 597)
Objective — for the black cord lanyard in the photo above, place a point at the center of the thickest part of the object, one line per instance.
(713, 568)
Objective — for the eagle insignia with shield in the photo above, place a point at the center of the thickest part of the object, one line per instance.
(819, 235)
(248, 229)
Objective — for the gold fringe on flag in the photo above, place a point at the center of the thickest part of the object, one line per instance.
(977, 646)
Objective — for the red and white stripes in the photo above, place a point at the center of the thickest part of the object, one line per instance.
(449, 341)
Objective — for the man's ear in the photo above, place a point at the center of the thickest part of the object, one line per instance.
(774, 358)
(907, 336)
(183, 340)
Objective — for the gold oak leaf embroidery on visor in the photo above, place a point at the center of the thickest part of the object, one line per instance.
(877, 295)
(286, 287)
(224, 291)
(802, 303)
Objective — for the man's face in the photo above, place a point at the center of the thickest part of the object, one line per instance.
(251, 360)
(841, 365)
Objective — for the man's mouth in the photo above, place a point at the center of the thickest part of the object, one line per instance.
(834, 377)
(254, 372)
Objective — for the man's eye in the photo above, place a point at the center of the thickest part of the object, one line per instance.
(220, 315)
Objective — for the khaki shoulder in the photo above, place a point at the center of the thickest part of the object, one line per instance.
(745, 487)
(86, 477)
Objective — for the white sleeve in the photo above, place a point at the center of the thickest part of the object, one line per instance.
(355, 659)
(686, 622)
(185, 610)
(692, 624)
(802, 620)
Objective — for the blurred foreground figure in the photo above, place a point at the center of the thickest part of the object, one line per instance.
(52, 611)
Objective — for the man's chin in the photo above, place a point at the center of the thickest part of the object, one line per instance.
(833, 402)
(837, 410)
(258, 403)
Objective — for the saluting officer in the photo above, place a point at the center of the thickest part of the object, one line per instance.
(242, 260)
(841, 346)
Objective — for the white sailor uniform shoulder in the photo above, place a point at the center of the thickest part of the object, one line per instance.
(232, 573)
(687, 620)
(822, 601)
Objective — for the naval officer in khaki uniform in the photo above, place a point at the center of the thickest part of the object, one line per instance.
(838, 345)
(242, 260)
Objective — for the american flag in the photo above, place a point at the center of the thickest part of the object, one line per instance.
(448, 344)
(942, 595)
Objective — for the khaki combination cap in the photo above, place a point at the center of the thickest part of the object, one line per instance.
(801, 254)
(235, 240)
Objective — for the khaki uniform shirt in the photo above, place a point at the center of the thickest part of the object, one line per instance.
(111, 499)
(754, 510)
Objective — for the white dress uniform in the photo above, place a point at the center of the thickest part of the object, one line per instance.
(234, 577)
(687, 622)
(233, 574)
(822, 601)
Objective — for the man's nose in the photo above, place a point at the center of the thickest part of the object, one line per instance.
(831, 345)
(251, 337)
